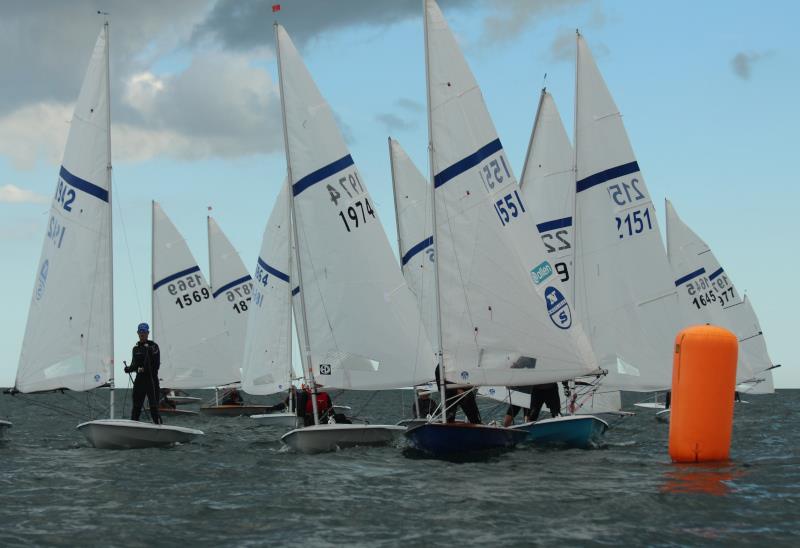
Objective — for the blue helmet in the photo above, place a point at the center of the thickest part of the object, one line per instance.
(143, 328)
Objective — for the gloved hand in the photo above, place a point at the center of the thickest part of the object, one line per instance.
(127, 369)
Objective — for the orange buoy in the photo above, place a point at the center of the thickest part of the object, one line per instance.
(703, 388)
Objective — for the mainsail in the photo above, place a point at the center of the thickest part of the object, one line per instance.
(504, 317)
(68, 337)
(623, 288)
(195, 347)
(362, 322)
(267, 352)
(231, 287)
(707, 294)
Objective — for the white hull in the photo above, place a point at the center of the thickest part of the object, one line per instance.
(4, 425)
(277, 419)
(330, 437)
(663, 416)
(128, 434)
(650, 405)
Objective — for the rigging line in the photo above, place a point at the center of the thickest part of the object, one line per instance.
(127, 248)
(50, 406)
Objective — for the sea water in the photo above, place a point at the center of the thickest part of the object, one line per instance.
(237, 485)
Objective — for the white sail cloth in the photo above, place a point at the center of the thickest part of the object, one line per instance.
(707, 294)
(624, 291)
(363, 325)
(68, 337)
(195, 347)
(231, 287)
(504, 317)
(266, 367)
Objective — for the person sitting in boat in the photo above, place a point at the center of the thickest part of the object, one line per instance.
(292, 396)
(145, 362)
(460, 396)
(544, 394)
(232, 397)
(425, 405)
(166, 402)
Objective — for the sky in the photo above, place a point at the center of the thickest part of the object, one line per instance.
(707, 91)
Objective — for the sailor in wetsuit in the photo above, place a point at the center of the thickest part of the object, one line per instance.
(459, 397)
(544, 394)
(145, 363)
(425, 404)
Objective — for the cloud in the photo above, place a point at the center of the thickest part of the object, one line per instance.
(742, 63)
(11, 194)
(562, 48)
(410, 105)
(512, 17)
(394, 123)
(35, 131)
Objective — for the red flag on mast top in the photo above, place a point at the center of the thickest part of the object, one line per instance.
(276, 7)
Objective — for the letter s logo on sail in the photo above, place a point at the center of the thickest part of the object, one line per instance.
(557, 308)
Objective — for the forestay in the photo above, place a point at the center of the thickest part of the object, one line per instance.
(548, 185)
(414, 231)
(67, 341)
(504, 317)
(623, 288)
(707, 294)
(195, 347)
(231, 288)
(266, 367)
(753, 346)
(363, 323)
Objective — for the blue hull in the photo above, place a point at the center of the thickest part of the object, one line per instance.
(461, 439)
(581, 431)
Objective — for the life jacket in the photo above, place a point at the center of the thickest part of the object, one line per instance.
(323, 403)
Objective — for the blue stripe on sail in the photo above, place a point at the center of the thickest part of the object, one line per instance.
(554, 224)
(715, 274)
(469, 162)
(175, 276)
(321, 174)
(274, 271)
(234, 283)
(86, 186)
(690, 276)
(427, 242)
(607, 175)
(295, 291)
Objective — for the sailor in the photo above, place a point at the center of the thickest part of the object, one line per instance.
(324, 405)
(544, 394)
(463, 397)
(232, 397)
(425, 404)
(514, 409)
(145, 363)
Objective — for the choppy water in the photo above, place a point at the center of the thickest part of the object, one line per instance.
(237, 486)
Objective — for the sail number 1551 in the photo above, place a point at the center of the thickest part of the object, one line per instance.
(509, 207)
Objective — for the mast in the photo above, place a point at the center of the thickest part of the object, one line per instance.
(291, 312)
(533, 132)
(110, 220)
(306, 348)
(153, 267)
(438, 322)
(399, 239)
(575, 232)
(210, 257)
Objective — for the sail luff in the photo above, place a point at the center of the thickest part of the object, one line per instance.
(110, 223)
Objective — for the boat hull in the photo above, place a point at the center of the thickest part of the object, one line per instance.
(233, 410)
(461, 439)
(4, 425)
(185, 400)
(663, 416)
(581, 431)
(127, 434)
(322, 438)
(176, 412)
(276, 419)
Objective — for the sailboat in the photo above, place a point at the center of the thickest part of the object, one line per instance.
(360, 328)
(267, 360)
(187, 322)
(69, 340)
(4, 425)
(501, 314)
(708, 295)
(623, 288)
(231, 287)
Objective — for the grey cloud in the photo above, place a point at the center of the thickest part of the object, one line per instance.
(742, 63)
(410, 105)
(241, 24)
(515, 16)
(562, 48)
(394, 123)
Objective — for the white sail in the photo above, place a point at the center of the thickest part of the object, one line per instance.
(268, 345)
(624, 290)
(548, 185)
(583, 400)
(195, 347)
(708, 295)
(68, 336)
(231, 288)
(504, 317)
(363, 325)
(414, 231)
(753, 346)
